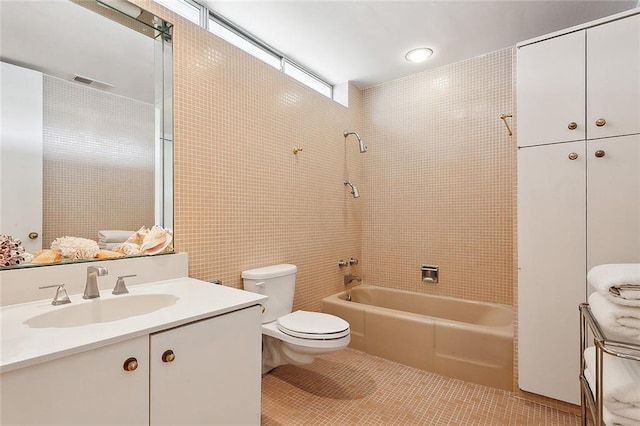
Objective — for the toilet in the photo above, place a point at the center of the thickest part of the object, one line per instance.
(291, 337)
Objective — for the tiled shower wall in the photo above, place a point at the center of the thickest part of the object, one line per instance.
(99, 147)
(242, 198)
(439, 180)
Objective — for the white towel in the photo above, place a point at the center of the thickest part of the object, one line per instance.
(621, 387)
(614, 318)
(111, 238)
(619, 282)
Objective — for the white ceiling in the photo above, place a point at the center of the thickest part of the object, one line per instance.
(359, 41)
(365, 41)
(61, 39)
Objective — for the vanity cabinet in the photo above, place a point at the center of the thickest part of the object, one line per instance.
(212, 377)
(578, 186)
(208, 372)
(90, 387)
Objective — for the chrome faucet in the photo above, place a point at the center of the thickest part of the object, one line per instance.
(349, 278)
(91, 287)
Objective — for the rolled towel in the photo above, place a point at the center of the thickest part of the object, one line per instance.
(617, 319)
(111, 238)
(621, 387)
(618, 282)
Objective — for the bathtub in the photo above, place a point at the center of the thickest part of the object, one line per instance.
(467, 340)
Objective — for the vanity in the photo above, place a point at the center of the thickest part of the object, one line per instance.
(176, 351)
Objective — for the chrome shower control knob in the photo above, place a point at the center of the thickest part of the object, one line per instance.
(353, 261)
(342, 263)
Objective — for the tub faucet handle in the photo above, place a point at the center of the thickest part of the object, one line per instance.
(342, 263)
(353, 261)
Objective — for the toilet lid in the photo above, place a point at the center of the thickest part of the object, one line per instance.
(313, 325)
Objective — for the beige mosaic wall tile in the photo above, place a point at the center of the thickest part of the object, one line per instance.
(439, 180)
(242, 198)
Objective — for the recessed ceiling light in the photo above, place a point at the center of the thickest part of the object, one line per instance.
(418, 55)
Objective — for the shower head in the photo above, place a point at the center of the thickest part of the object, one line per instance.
(354, 190)
(363, 147)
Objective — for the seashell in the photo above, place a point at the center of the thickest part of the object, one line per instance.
(11, 251)
(128, 249)
(107, 254)
(138, 237)
(46, 256)
(156, 240)
(75, 247)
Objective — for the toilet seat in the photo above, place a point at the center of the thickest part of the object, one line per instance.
(313, 325)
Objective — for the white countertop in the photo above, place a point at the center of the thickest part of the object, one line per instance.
(22, 346)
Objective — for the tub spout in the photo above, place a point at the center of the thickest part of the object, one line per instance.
(349, 278)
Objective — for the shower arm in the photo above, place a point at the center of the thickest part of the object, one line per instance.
(363, 147)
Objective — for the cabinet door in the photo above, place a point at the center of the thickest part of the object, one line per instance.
(87, 388)
(613, 200)
(551, 93)
(551, 276)
(215, 376)
(613, 78)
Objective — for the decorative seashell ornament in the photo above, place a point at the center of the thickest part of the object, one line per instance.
(11, 251)
(75, 247)
(128, 249)
(156, 240)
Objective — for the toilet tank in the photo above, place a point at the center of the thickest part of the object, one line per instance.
(278, 282)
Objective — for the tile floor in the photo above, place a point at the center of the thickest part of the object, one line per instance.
(350, 387)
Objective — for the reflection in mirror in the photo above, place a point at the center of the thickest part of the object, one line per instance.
(86, 143)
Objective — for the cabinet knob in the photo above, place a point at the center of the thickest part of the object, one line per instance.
(601, 122)
(599, 153)
(131, 364)
(33, 235)
(573, 156)
(168, 356)
(573, 125)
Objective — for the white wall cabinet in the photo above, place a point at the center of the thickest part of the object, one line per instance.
(599, 66)
(578, 190)
(212, 378)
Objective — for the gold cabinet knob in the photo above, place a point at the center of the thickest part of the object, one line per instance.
(33, 235)
(599, 153)
(573, 125)
(131, 364)
(168, 356)
(601, 122)
(573, 156)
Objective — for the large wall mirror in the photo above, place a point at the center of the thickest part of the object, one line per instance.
(86, 148)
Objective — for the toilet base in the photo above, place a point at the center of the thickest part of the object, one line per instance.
(275, 353)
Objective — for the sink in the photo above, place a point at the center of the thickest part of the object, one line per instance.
(101, 310)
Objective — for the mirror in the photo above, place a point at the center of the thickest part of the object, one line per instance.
(87, 141)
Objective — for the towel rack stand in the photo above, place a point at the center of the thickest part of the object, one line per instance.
(604, 345)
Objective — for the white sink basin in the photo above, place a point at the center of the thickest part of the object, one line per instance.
(102, 310)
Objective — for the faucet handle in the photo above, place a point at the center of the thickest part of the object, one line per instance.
(61, 297)
(120, 287)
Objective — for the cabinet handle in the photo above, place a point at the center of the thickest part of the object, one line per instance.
(573, 125)
(131, 364)
(599, 153)
(573, 156)
(601, 122)
(168, 356)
